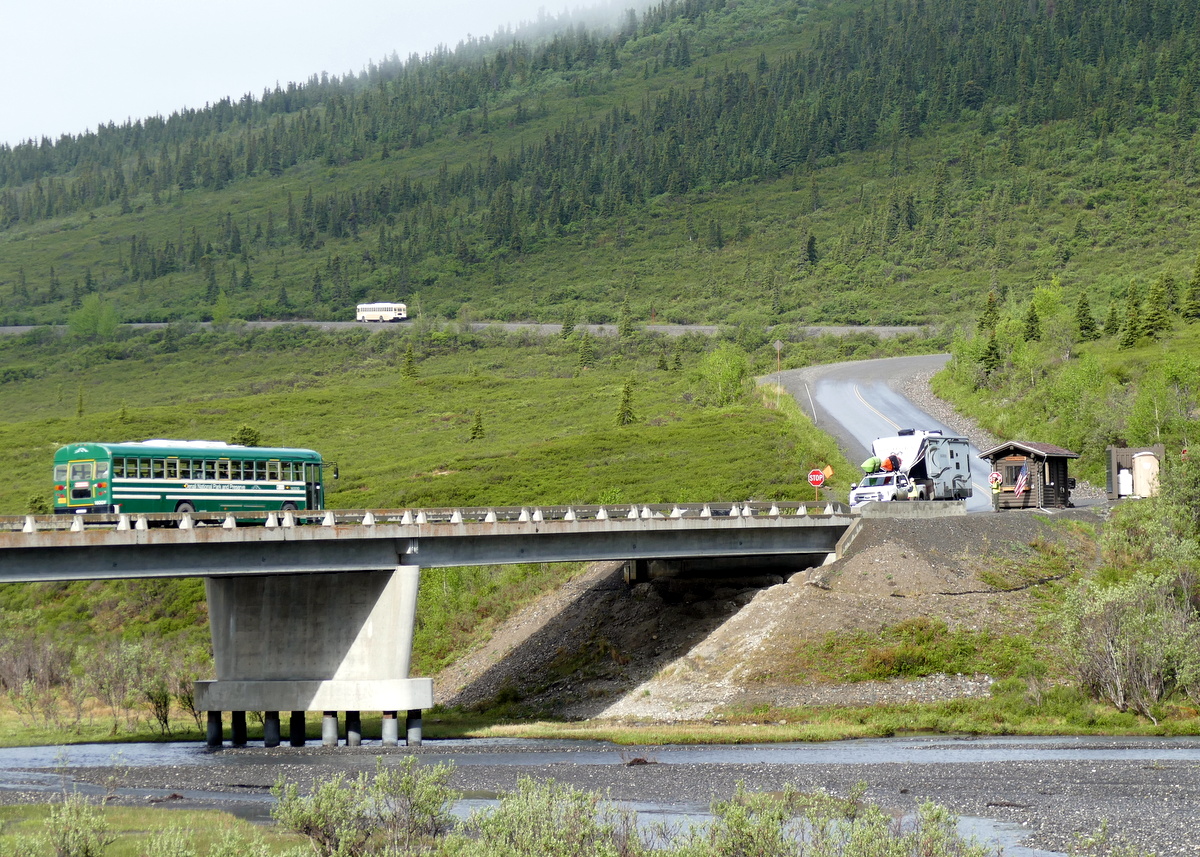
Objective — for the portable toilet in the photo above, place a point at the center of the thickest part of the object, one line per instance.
(1145, 474)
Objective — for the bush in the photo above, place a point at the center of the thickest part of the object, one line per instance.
(1136, 642)
(76, 828)
(402, 811)
(548, 819)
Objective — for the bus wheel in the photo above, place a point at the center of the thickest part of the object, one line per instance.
(185, 507)
(288, 507)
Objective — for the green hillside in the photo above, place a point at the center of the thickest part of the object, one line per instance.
(709, 160)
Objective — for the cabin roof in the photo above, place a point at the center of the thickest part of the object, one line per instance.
(1037, 450)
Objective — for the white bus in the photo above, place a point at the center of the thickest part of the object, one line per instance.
(383, 311)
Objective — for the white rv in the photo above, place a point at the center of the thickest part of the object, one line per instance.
(932, 467)
(383, 311)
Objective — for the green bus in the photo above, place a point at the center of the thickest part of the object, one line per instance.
(185, 476)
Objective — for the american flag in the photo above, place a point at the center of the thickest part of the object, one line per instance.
(1022, 480)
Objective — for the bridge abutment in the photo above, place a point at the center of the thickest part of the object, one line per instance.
(327, 642)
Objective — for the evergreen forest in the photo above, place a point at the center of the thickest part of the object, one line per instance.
(719, 161)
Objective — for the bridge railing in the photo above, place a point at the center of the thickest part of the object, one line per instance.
(450, 515)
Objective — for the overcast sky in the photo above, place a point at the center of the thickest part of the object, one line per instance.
(69, 65)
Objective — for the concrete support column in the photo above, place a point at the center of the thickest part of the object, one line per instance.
(296, 729)
(214, 734)
(271, 729)
(413, 727)
(329, 729)
(391, 729)
(321, 642)
(408, 580)
(353, 729)
(237, 726)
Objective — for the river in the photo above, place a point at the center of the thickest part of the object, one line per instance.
(1027, 795)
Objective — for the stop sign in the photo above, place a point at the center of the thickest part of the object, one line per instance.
(816, 478)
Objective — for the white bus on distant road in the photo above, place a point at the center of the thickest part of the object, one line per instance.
(382, 312)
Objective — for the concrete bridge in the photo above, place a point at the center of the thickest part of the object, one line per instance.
(315, 611)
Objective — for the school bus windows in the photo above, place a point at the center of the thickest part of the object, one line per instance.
(260, 471)
(156, 468)
(101, 469)
(81, 471)
(144, 468)
(172, 469)
(272, 471)
(223, 469)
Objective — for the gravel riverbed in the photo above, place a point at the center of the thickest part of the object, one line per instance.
(1151, 804)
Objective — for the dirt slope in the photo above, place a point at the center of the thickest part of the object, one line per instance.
(680, 649)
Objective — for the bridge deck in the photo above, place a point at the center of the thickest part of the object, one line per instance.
(197, 545)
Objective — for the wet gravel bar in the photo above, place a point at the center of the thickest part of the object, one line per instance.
(1152, 804)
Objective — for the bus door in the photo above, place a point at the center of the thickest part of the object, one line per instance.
(314, 492)
(80, 475)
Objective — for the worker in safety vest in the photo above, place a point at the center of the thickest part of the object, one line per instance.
(997, 483)
(871, 465)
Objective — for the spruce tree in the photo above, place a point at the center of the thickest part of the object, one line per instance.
(625, 415)
(1112, 321)
(1156, 311)
(409, 369)
(1084, 320)
(586, 355)
(1191, 306)
(1131, 324)
(1033, 325)
(625, 319)
(992, 358)
(477, 426)
(990, 317)
(568, 325)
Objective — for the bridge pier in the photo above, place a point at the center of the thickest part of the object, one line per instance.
(322, 641)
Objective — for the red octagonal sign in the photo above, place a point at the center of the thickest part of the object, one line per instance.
(816, 478)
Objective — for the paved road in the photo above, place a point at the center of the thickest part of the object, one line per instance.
(884, 331)
(857, 402)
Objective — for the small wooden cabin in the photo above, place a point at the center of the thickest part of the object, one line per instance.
(1048, 486)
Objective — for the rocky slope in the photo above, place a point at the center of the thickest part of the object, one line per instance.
(685, 648)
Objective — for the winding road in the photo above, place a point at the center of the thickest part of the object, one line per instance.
(857, 402)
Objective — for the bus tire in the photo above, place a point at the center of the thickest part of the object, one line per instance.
(185, 506)
(289, 506)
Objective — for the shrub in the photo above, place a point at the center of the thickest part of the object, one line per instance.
(76, 828)
(400, 811)
(1134, 643)
(549, 819)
